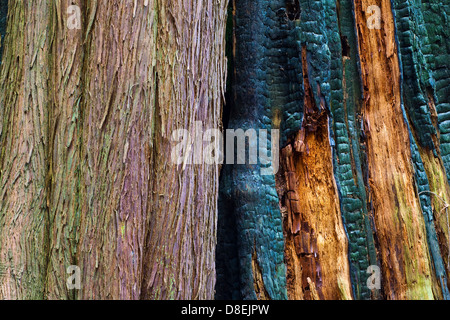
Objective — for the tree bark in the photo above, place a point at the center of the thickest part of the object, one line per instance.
(377, 99)
(25, 108)
(87, 118)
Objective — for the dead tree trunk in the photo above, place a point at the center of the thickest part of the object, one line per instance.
(360, 91)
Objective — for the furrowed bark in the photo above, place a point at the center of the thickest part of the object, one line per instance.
(349, 157)
(25, 105)
(85, 149)
(64, 144)
(437, 55)
(118, 107)
(87, 176)
(190, 89)
(418, 92)
(314, 227)
(3, 18)
(261, 97)
(372, 94)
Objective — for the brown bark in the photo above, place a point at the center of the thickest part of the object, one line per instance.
(25, 151)
(64, 145)
(86, 177)
(86, 142)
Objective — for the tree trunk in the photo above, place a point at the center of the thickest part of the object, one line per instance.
(87, 117)
(3, 18)
(25, 113)
(363, 179)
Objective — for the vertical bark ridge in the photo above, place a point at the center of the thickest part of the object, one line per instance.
(315, 226)
(182, 228)
(267, 94)
(416, 75)
(404, 252)
(81, 163)
(24, 139)
(3, 18)
(115, 162)
(86, 123)
(346, 98)
(417, 87)
(437, 55)
(439, 197)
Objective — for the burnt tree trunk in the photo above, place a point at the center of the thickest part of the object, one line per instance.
(86, 123)
(363, 180)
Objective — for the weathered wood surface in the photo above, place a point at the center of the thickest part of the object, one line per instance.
(377, 99)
